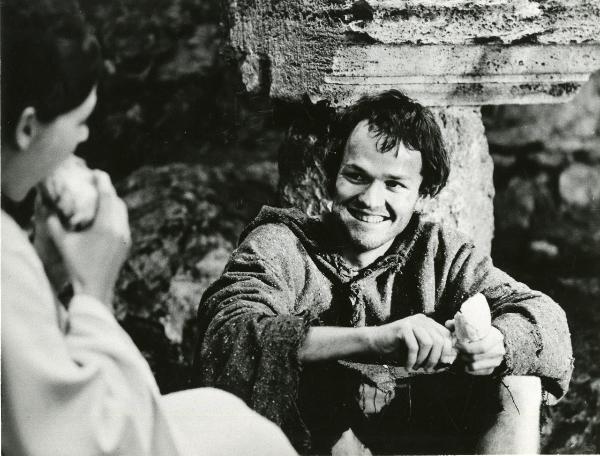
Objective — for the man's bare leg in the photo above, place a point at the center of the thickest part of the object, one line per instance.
(517, 429)
(349, 445)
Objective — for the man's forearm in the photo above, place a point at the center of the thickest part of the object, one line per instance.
(328, 343)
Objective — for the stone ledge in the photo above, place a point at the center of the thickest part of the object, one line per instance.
(452, 52)
(463, 75)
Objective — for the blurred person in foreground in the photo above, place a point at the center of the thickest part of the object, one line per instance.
(340, 328)
(73, 382)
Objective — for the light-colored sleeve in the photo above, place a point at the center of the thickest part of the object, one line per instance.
(212, 422)
(88, 391)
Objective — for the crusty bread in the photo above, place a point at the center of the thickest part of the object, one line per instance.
(473, 321)
(72, 194)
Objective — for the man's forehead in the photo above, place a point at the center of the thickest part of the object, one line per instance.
(363, 152)
(363, 139)
(364, 133)
(362, 130)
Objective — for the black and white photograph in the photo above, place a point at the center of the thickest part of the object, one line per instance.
(300, 227)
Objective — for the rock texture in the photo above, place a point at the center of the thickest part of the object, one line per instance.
(467, 200)
(441, 53)
(185, 222)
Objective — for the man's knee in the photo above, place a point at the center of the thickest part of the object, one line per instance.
(516, 429)
(521, 395)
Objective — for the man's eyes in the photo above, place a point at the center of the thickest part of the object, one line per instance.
(395, 185)
(355, 177)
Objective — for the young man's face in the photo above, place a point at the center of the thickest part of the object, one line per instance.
(58, 139)
(375, 193)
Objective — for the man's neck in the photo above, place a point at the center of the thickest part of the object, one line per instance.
(363, 259)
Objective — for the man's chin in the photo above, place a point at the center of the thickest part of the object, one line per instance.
(358, 228)
(364, 241)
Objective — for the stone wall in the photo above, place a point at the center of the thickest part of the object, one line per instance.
(547, 173)
(171, 92)
(547, 212)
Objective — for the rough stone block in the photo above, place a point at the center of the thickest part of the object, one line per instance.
(439, 75)
(467, 200)
(456, 52)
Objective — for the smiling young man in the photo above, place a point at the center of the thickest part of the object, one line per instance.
(337, 328)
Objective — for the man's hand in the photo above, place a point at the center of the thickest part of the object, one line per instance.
(94, 257)
(483, 356)
(413, 342)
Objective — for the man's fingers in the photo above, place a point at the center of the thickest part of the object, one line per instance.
(479, 346)
(490, 363)
(412, 348)
(41, 210)
(450, 325)
(111, 209)
(103, 183)
(483, 367)
(495, 352)
(449, 353)
(55, 229)
(425, 342)
(480, 372)
(435, 354)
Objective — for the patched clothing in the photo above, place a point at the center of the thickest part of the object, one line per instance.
(286, 275)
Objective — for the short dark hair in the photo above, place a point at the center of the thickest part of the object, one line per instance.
(50, 60)
(393, 118)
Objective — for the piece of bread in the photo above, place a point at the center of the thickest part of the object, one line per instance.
(70, 191)
(473, 321)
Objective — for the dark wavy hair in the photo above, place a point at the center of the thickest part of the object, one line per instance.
(393, 118)
(50, 60)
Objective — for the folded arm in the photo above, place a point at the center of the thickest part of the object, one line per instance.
(535, 329)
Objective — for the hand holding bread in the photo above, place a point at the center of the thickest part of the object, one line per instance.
(71, 193)
(88, 224)
(480, 345)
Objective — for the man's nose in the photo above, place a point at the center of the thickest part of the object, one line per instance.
(373, 195)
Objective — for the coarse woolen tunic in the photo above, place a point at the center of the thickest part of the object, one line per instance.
(287, 275)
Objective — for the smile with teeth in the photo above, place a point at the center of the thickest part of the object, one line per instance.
(365, 217)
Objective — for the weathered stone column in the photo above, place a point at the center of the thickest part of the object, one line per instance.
(453, 55)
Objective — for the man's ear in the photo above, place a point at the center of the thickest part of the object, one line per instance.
(26, 128)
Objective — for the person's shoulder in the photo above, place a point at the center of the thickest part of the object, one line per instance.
(271, 233)
(274, 226)
(14, 239)
(442, 237)
(21, 265)
(282, 238)
(9, 227)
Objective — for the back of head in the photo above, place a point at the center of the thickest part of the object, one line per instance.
(395, 118)
(50, 60)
